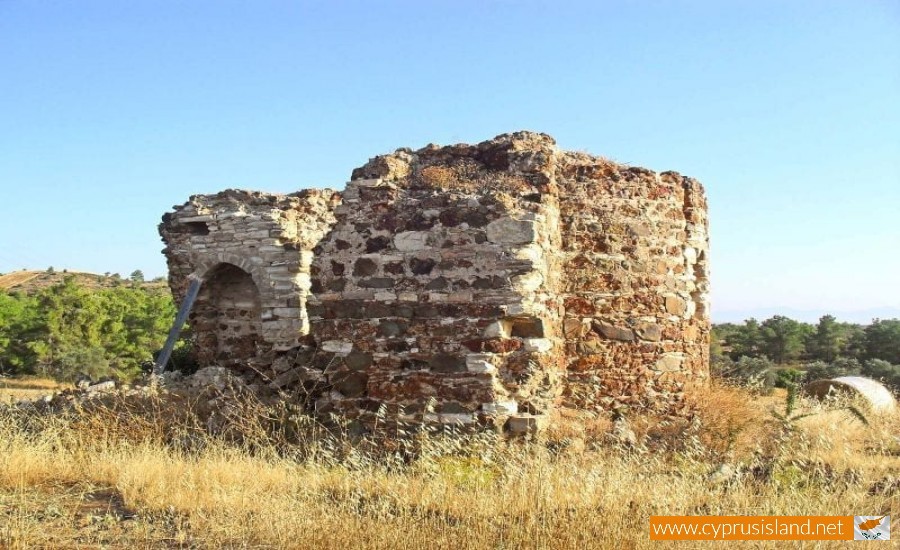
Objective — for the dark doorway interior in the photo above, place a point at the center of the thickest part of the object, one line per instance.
(226, 318)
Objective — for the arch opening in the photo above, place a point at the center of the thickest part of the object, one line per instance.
(227, 319)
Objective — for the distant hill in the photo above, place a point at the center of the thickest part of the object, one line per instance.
(32, 281)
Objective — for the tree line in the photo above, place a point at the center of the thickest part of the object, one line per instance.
(66, 329)
(780, 350)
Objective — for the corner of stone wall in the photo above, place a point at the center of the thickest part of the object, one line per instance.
(253, 252)
(636, 321)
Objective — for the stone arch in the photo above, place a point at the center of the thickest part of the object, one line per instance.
(227, 316)
(205, 264)
(282, 291)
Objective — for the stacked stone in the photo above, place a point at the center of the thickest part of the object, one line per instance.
(468, 284)
(433, 286)
(636, 284)
(253, 252)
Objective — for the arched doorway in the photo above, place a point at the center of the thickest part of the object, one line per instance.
(226, 318)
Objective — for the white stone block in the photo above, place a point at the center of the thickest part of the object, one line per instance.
(532, 252)
(195, 219)
(290, 277)
(528, 282)
(283, 285)
(690, 254)
(409, 241)
(497, 329)
(511, 231)
(460, 296)
(230, 215)
(480, 363)
(456, 418)
(670, 362)
(339, 347)
(385, 258)
(690, 310)
(374, 182)
(516, 309)
(500, 407)
(539, 345)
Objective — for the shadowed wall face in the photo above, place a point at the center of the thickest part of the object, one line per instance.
(226, 317)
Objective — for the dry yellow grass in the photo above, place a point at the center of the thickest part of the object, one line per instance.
(31, 383)
(15, 389)
(62, 485)
(17, 278)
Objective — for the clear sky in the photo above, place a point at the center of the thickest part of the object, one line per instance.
(788, 111)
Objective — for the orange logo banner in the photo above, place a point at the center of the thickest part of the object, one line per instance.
(751, 527)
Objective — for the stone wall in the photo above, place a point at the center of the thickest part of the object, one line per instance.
(635, 296)
(253, 251)
(468, 284)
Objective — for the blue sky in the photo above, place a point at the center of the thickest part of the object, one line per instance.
(788, 112)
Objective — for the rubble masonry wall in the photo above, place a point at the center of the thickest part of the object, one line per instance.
(468, 284)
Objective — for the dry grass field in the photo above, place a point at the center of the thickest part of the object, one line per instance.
(15, 389)
(117, 477)
(18, 278)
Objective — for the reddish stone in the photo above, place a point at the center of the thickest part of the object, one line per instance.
(492, 345)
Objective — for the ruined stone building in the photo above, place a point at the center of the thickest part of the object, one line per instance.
(488, 283)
